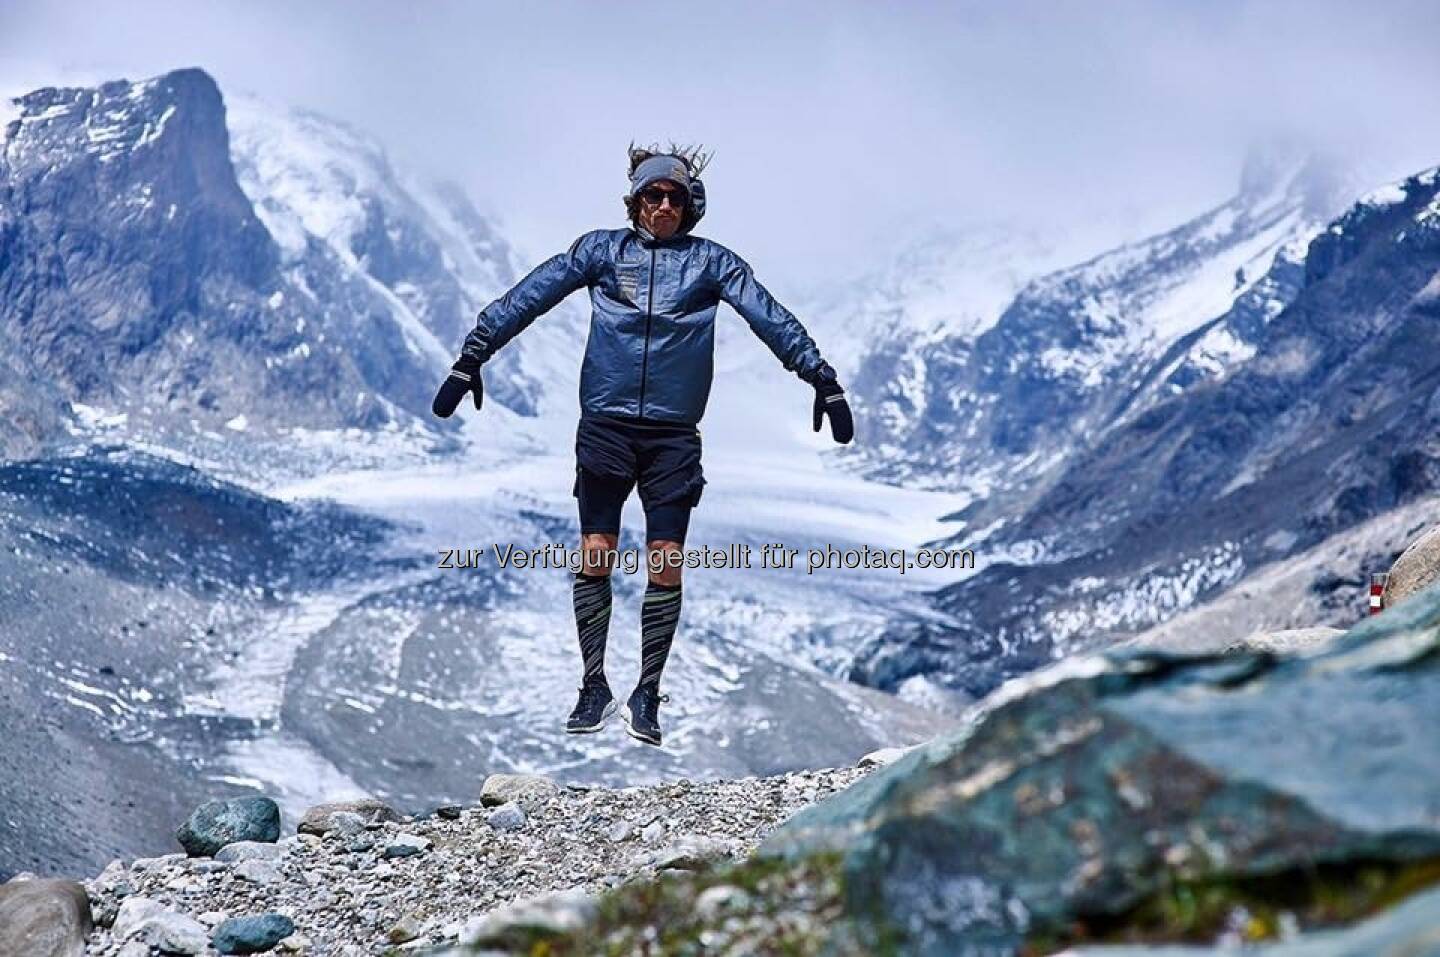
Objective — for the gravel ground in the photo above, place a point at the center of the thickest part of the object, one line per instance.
(348, 894)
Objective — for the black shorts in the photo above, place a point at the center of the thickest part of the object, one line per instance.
(613, 454)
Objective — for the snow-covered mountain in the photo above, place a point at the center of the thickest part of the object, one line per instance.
(1326, 419)
(192, 266)
(1000, 404)
(335, 205)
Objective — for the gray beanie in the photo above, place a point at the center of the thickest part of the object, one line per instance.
(657, 168)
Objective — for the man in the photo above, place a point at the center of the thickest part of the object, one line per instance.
(644, 384)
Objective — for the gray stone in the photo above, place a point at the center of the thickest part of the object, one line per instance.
(620, 831)
(252, 934)
(317, 820)
(172, 933)
(132, 913)
(653, 833)
(695, 854)
(343, 824)
(406, 845)
(1417, 568)
(44, 918)
(408, 928)
(249, 851)
(143, 864)
(882, 757)
(258, 872)
(115, 879)
(530, 791)
(216, 823)
(506, 817)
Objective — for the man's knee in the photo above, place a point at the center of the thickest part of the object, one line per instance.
(599, 551)
(663, 562)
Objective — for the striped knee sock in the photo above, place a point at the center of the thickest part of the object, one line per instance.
(657, 629)
(592, 621)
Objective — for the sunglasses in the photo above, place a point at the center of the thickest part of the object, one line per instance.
(653, 196)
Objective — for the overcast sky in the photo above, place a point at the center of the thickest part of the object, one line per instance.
(838, 127)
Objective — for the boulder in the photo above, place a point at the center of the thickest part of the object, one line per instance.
(43, 918)
(251, 934)
(1416, 569)
(214, 824)
(530, 791)
(317, 820)
(1088, 798)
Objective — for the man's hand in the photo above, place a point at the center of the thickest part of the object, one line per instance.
(830, 399)
(464, 377)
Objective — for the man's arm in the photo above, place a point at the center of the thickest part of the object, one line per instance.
(772, 322)
(786, 337)
(506, 317)
(536, 294)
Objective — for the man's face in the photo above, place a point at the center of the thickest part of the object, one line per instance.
(662, 204)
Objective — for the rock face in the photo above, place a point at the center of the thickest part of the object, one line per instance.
(166, 258)
(43, 918)
(215, 824)
(1081, 798)
(1417, 568)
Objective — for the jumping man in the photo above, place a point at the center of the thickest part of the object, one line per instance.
(644, 384)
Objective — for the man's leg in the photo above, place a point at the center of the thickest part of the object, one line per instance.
(666, 527)
(671, 479)
(600, 502)
(591, 596)
(661, 613)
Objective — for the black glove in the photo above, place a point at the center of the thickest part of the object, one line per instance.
(830, 398)
(464, 377)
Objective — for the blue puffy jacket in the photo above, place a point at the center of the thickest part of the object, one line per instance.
(651, 351)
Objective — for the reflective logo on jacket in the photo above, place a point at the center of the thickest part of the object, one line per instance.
(651, 349)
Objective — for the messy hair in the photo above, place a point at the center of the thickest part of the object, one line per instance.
(694, 157)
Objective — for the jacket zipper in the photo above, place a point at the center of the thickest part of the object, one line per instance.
(645, 355)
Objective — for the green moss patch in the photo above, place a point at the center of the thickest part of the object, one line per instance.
(774, 906)
(1258, 908)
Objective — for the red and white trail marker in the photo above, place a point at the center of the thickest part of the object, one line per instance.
(1377, 592)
